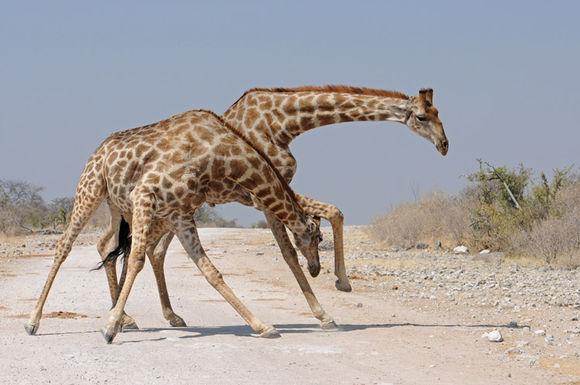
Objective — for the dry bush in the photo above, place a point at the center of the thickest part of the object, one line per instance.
(437, 216)
(539, 219)
(261, 224)
(557, 238)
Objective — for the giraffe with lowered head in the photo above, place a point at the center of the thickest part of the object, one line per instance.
(157, 175)
(271, 118)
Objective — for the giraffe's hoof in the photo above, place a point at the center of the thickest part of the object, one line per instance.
(328, 325)
(128, 323)
(177, 322)
(31, 329)
(132, 325)
(109, 334)
(343, 285)
(270, 332)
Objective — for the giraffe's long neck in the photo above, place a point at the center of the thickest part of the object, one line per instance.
(280, 117)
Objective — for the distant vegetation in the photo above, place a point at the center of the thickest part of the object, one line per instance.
(512, 210)
(23, 210)
(261, 224)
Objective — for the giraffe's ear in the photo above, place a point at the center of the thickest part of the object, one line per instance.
(426, 94)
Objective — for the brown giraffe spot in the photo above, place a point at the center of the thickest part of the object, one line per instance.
(179, 191)
(291, 125)
(249, 183)
(257, 178)
(306, 122)
(191, 184)
(169, 197)
(325, 119)
(278, 115)
(276, 207)
(265, 103)
(150, 156)
(306, 106)
(236, 150)
(111, 158)
(206, 136)
(215, 186)
(284, 137)
(164, 145)
(250, 117)
(268, 201)
(344, 117)
(130, 172)
(255, 162)
(166, 183)
(269, 119)
(218, 168)
(237, 168)
(140, 149)
(177, 174)
(222, 150)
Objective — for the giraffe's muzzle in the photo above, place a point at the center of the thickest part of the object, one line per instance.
(443, 146)
(314, 269)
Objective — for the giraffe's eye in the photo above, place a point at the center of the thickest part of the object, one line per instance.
(421, 118)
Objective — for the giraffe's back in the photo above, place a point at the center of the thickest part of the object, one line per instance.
(182, 159)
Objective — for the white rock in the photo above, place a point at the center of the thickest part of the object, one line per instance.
(485, 251)
(460, 250)
(493, 336)
(540, 332)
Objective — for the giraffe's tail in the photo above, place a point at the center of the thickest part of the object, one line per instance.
(123, 249)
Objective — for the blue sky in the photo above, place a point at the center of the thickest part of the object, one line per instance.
(505, 76)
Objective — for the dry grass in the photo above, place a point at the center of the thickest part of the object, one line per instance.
(437, 216)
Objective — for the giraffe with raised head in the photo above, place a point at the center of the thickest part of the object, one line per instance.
(157, 175)
(272, 117)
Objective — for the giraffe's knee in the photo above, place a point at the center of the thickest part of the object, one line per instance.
(102, 245)
(334, 214)
(136, 263)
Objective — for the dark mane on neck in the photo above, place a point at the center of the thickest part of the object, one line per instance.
(260, 152)
(328, 88)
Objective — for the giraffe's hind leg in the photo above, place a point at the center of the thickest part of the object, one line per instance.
(106, 245)
(89, 196)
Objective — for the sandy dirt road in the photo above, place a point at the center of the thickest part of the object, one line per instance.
(380, 341)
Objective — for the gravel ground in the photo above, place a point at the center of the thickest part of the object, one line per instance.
(414, 317)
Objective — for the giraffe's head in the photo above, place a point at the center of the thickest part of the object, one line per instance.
(423, 118)
(307, 243)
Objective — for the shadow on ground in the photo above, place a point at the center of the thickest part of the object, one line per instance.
(245, 331)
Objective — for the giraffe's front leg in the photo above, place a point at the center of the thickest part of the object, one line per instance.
(291, 258)
(187, 235)
(156, 255)
(141, 224)
(107, 244)
(336, 219)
